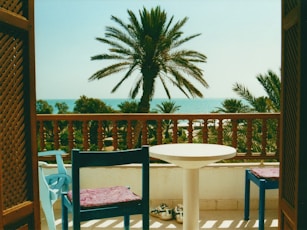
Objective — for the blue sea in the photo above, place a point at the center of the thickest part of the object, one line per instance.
(205, 105)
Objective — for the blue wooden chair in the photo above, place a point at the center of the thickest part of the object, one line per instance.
(264, 178)
(98, 203)
(52, 185)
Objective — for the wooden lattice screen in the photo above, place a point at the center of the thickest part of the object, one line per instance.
(293, 207)
(19, 189)
(12, 119)
(291, 112)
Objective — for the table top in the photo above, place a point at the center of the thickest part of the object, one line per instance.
(191, 155)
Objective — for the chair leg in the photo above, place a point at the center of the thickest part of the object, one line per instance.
(247, 196)
(126, 222)
(145, 221)
(49, 214)
(64, 217)
(261, 203)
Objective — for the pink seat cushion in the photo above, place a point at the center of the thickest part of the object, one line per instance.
(266, 173)
(105, 196)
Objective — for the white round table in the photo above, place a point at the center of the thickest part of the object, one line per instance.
(191, 157)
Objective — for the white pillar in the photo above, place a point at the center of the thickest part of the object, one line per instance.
(191, 199)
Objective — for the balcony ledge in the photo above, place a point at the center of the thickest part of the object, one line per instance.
(221, 184)
(221, 195)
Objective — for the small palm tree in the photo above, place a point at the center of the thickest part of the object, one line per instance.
(128, 107)
(150, 46)
(167, 107)
(271, 102)
(258, 103)
(232, 106)
(272, 86)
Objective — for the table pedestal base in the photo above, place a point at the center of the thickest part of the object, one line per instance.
(191, 199)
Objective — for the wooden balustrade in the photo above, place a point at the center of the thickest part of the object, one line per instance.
(255, 136)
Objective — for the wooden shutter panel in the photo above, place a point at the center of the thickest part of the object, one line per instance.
(293, 187)
(19, 203)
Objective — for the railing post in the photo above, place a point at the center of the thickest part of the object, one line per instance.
(234, 129)
(42, 136)
(99, 135)
(56, 135)
(175, 131)
(264, 136)
(71, 143)
(249, 137)
(220, 132)
(190, 131)
(159, 131)
(115, 135)
(205, 131)
(144, 132)
(85, 135)
(129, 134)
(277, 138)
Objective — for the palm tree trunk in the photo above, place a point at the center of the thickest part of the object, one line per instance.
(144, 105)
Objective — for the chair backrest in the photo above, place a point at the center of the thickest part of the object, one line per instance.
(51, 186)
(61, 180)
(58, 156)
(81, 159)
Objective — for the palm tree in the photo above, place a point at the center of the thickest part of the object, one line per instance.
(269, 103)
(167, 107)
(258, 104)
(271, 85)
(125, 107)
(150, 46)
(128, 107)
(232, 106)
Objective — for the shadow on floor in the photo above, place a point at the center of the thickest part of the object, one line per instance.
(211, 220)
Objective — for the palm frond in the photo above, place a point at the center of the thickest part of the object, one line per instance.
(127, 75)
(135, 90)
(242, 91)
(165, 86)
(112, 69)
(106, 57)
(272, 86)
(182, 41)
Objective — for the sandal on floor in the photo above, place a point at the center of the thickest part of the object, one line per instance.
(178, 213)
(162, 211)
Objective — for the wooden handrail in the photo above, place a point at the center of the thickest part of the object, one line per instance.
(254, 135)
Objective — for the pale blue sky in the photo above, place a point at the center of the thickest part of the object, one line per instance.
(241, 39)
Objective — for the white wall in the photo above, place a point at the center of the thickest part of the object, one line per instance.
(221, 185)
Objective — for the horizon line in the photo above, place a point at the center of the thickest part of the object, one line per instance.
(122, 98)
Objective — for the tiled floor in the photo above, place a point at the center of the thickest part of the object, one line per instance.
(210, 220)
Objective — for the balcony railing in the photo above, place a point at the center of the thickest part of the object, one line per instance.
(255, 136)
